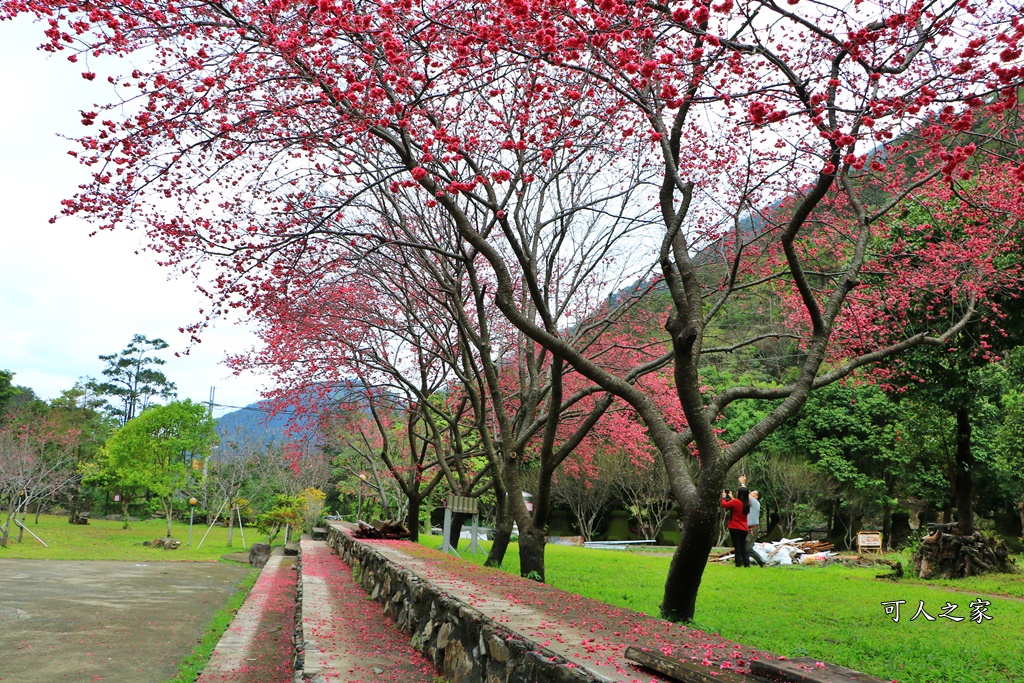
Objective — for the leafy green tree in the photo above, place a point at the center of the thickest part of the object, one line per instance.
(284, 511)
(850, 433)
(959, 383)
(1009, 442)
(7, 390)
(16, 398)
(78, 409)
(160, 449)
(958, 378)
(133, 379)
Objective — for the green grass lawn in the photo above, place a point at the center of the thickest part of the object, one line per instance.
(831, 613)
(106, 540)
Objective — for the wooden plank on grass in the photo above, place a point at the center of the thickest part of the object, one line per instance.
(679, 670)
(806, 670)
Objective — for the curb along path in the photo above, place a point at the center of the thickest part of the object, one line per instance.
(257, 646)
(345, 635)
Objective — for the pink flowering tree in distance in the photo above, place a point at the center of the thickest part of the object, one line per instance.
(746, 150)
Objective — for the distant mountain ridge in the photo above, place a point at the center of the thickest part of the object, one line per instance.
(258, 422)
(255, 423)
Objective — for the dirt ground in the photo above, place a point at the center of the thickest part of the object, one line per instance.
(121, 622)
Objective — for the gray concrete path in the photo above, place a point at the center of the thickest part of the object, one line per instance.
(257, 647)
(121, 622)
(346, 636)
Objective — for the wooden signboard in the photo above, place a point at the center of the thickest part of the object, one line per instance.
(869, 541)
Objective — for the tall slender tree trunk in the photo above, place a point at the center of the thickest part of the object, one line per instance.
(458, 521)
(963, 474)
(697, 537)
(502, 537)
(502, 530)
(21, 527)
(169, 509)
(890, 482)
(231, 526)
(7, 523)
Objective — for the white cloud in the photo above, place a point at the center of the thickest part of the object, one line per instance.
(65, 297)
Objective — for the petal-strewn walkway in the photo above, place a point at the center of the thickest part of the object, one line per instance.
(590, 633)
(257, 647)
(346, 635)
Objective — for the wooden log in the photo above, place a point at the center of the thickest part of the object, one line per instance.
(806, 670)
(680, 670)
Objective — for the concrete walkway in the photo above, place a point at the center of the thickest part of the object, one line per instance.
(118, 622)
(345, 634)
(257, 646)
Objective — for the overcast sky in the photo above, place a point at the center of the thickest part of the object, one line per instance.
(66, 297)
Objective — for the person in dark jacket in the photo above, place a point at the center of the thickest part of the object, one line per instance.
(738, 507)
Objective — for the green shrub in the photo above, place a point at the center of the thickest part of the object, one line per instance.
(284, 510)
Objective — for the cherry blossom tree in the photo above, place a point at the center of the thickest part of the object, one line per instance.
(37, 463)
(759, 150)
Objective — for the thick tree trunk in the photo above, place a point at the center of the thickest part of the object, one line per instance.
(531, 554)
(458, 521)
(124, 511)
(412, 518)
(502, 537)
(691, 557)
(963, 476)
(74, 502)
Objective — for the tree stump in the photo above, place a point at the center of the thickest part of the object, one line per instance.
(951, 556)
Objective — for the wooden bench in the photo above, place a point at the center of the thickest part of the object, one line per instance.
(869, 541)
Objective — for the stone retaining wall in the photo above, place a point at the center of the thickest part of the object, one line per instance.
(465, 645)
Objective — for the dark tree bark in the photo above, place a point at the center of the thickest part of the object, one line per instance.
(412, 518)
(531, 553)
(697, 537)
(890, 482)
(458, 521)
(963, 474)
(502, 528)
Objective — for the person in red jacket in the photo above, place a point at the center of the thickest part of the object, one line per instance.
(739, 507)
